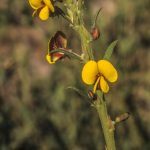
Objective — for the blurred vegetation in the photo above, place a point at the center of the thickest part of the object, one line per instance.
(38, 112)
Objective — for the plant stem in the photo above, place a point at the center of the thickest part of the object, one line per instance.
(75, 13)
(85, 42)
(76, 16)
(107, 126)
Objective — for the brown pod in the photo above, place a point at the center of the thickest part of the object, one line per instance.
(122, 117)
(95, 32)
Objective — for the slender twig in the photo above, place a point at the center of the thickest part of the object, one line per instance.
(68, 53)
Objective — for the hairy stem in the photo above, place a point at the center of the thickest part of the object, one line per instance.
(107, 126)
(85, 42)
(74, 9)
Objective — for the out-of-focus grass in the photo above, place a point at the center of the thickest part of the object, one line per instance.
(38, 112)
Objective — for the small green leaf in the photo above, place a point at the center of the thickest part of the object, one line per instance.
(109, 50)
(96, 17)
(80, 92)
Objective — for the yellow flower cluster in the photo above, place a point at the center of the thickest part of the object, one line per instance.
(98, 73)
(43, 7)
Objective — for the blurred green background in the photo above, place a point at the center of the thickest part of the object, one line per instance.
(38, 112)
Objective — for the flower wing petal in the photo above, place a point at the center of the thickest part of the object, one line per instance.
(49, 4)
(36, 4)
(107, 70)
(89, 72)
(48, 58)
(57, 56)
(103, 85)
(44, 13)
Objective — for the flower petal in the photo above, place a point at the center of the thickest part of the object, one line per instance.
(57, 56)
(89, 72)
(36, 4)
(48, 58)
(107, 70)
(95, 85)
(103, 85)
(44, 13)
(49, 4)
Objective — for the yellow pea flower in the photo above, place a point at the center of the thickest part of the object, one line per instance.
(99, 73)
(43, 7)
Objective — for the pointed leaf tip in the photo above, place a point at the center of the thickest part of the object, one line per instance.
(110, 50)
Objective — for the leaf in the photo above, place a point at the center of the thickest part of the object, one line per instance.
(96, 17)
(109, 50)
(80, 92)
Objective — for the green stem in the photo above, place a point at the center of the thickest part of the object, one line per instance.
(75, 14)
(74, 10)
(85, 42)
(107, 126)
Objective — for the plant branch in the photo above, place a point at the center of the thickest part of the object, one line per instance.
(68, 53)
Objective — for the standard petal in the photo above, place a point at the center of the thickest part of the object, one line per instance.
(103, 85)
(36, 4)
(107, 70)
(89, 72)
(44, 13)
(49, 4)
(48, 58)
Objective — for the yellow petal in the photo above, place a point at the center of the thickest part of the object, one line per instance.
(49, 4)
(95, 85)
(44, 13)
(103, 85)
(35, 4)
(107, 70)
(89, 72)
(48, 58)
(34, 13)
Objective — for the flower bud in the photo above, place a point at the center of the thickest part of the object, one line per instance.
(122, 117)
(92, 95)
(95, 32)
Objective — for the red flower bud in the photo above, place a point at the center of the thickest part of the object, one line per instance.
(95, 32)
